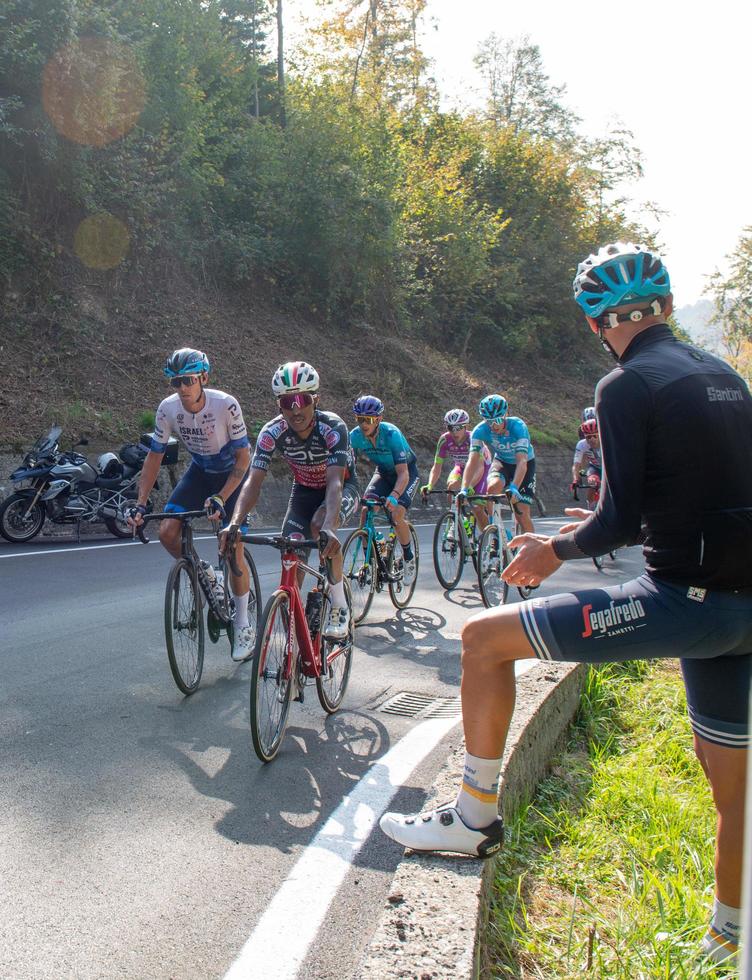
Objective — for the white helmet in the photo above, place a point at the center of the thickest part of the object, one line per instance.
(456, 416)
(293, 377)
(588, 413)
(109, 466)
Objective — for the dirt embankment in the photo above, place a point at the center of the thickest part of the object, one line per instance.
(92, 361)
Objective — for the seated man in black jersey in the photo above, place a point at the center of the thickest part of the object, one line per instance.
(666, 413)
(316, 446)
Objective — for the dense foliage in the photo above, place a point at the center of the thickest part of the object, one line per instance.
(142, 136)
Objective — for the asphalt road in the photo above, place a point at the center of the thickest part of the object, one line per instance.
(139, 835)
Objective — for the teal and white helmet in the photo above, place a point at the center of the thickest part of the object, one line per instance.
(618, 275)
(493, 408)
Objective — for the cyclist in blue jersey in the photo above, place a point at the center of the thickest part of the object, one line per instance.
(666, 413)
(513, 467)
(396, 476)
(210, 424)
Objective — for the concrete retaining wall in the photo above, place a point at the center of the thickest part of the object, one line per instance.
(432, 920)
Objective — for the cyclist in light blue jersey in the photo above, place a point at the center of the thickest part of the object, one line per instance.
(513, 467)
(396, 476)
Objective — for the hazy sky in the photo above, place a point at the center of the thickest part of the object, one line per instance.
(676, 74)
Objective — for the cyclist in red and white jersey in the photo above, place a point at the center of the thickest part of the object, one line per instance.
(587, 460)
(316, 446)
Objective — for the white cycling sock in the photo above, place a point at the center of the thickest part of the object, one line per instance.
(240, 619)
(721, 941)
(476, 800)
(337, 592)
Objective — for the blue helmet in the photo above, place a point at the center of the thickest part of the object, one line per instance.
(368, 405)
(493, 407)
(186, 360)
(617, 275)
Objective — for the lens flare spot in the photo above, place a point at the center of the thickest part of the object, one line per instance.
(93, 91)
(101, 241)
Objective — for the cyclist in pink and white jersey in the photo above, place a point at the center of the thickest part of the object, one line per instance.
(454, 445)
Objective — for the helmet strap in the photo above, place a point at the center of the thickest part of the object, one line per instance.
(608, 320)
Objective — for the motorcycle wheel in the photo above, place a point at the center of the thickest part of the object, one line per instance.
(119, 528)
(15, 524)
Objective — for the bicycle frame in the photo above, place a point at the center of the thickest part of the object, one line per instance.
(188, 551)
(374, 533)
(310, 649)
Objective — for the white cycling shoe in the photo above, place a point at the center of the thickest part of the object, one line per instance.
(242, 645)
(337, 623)
(443, 829)
(408, 571)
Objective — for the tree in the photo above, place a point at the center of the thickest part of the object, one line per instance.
(520, 93)
(732, 297)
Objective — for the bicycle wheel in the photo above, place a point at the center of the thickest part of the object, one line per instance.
(270, 689)
(400, 590)
(448, 553)
(254, 598)
(336, 661)
(598, 562)
(493, 557)
(184, 626)
(525, 591)
(360, 573)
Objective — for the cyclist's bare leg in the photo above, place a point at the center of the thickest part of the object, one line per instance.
(522, 512)
(726, 770)
(400, 525)
(491, 641)
(170, 536)
(240, 584)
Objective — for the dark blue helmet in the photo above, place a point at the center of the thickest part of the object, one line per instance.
(368, 405)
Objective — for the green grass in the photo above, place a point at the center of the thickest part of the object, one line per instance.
(615, 850)
(560, 436)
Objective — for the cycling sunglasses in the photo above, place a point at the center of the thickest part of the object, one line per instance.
(592, 437)
(368, 419)
(301, 399)
(456, 428)
(188, 381)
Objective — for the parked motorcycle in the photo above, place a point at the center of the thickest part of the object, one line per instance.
(66, 489)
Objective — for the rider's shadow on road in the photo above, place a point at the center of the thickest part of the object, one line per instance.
(285, 803)
(415, 634)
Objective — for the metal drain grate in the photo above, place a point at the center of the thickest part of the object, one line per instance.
(412, 705)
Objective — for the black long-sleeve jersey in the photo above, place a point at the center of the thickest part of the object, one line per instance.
(675, 425)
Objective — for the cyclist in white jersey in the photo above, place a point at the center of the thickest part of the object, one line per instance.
(210, 424)
(587, 459)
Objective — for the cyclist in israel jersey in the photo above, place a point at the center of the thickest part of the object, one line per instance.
(587, 460)
(396, 477)
(513, 467)
(210, 424)
(454, 445)
(315, 445)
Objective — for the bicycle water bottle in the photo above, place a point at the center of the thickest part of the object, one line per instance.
(313, 610)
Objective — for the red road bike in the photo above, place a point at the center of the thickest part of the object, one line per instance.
(291, 650)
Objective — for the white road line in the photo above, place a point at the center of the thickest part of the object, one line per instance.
(278, 945)
(274, 951)
(90, 547)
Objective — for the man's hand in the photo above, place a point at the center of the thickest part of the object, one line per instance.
(391, 503)
(228, 538)
(333, 546)
(214, 507)
(514, 491)
(135, 515)
(580, 514)
(533, 562)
